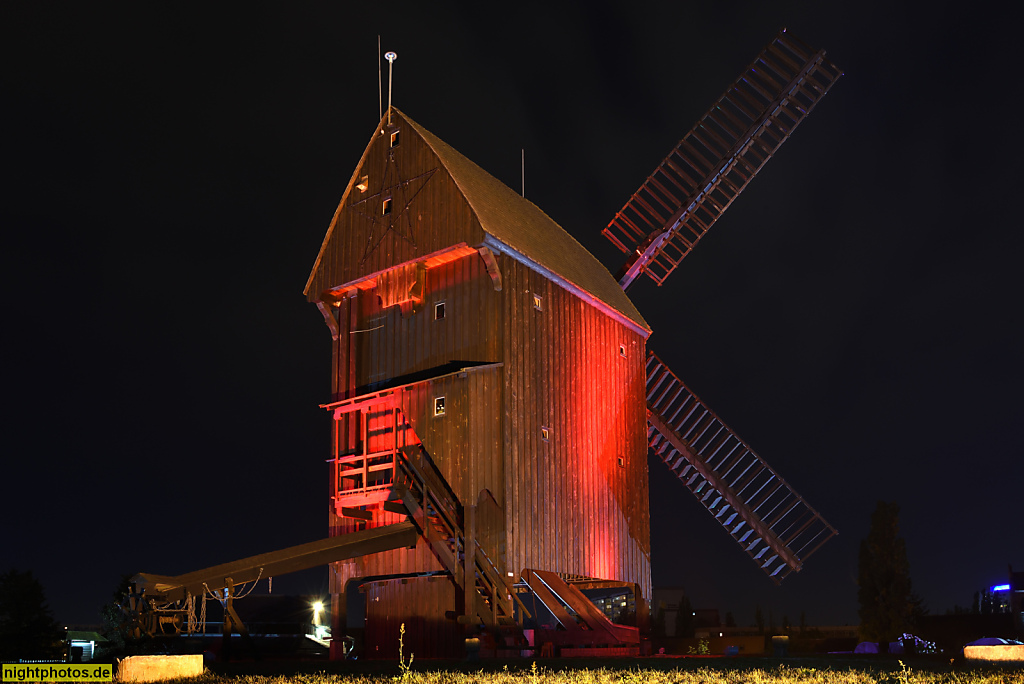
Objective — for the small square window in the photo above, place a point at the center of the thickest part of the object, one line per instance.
(622, 350)
(537, 302)
(394, 138)
(438, 406)
(363, 183)
(386, 206)
(622, 462)
(439, 311)
(545, 434)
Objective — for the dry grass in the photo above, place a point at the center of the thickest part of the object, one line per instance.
(655, 673)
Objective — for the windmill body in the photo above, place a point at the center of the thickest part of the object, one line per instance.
(509, 354)
(491, 383)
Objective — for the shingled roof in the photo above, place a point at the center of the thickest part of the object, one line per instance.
(523, 230)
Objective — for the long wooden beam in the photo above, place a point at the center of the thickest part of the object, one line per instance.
(284, 561)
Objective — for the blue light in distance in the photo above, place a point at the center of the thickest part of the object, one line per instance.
(1001, 587)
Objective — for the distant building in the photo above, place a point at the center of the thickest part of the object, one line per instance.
(618, 603)
(1017, 600)
(82, 645)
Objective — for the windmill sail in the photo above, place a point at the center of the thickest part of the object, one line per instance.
(713, 163)
(770, 521)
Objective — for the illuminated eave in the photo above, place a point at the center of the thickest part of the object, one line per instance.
(498, 246)
(368, 282)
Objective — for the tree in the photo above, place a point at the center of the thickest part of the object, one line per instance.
(27, 627)
(684, 618)
(883, 578)
(115, 621)
(985, 603)
(658, 623)
(120, 628)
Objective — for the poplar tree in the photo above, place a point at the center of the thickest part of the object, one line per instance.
(684, 618)
(884, 591)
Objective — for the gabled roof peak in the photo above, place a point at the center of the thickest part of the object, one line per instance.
(517, 226)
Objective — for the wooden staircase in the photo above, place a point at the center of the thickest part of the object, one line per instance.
(391, 470)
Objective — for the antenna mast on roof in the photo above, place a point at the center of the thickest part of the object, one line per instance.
(391, 57)
(380, 94)
(522, 168)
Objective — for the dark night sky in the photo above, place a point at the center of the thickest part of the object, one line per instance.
(170, 172)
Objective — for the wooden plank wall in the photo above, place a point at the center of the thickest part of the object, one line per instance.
(393, 345)
(438, 216)
(385, 345)
(420, 603)
(406, 345)
(466, 446)
(573, 509)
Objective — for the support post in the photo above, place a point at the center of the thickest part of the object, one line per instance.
(234, 623)
(469, 582)
(469, 559)
(339, 622)
(226, 627)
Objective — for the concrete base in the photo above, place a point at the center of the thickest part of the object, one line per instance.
(157, 668)
(995, 653)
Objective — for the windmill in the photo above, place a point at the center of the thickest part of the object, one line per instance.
(491, 385)
(494, 402)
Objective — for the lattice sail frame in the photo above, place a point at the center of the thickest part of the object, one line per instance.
(761, 511)
(715, 161)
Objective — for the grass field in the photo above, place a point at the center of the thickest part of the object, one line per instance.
(658, 671)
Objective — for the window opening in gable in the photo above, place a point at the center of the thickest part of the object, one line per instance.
(438, 407)
(394, 138)
(386, 207)
(363, 183)
(439, 311)
(537, 302)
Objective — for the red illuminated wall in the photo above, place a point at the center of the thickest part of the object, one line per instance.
(575, 509)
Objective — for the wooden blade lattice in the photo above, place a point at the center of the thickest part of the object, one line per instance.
(770, 521)
(713, 163)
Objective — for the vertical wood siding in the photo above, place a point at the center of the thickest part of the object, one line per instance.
(438, 216)
(421, 604)
(382, 344)
(573, 509)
